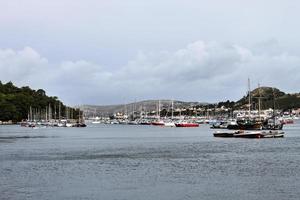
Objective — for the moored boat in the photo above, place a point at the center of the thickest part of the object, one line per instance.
(169, 124)
(79, 125)
(158, 123)
(186, 124)
(145, 123)
(249, 134)
(223, 134)
(273, 134)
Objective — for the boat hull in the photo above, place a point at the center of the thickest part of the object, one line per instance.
(187, 125)
(223, 134)
(158, 124)
(249, 135)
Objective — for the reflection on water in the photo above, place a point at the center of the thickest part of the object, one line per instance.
(145, 162)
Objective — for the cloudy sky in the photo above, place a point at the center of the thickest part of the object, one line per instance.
(117, 51)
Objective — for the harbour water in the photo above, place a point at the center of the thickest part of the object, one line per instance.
(123, 162)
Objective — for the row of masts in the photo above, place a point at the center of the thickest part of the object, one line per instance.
(47, 113)
(158, 110)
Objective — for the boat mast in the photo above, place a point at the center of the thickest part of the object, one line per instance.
(249, 95)
(79, 115)
(259, 102)
(125, 110)
(158, 110)
(172, 109)
(30, 113)
(46, 113)
(34, 114)
(273, 102)
(59, 111)
(55, 117)
(49, 113)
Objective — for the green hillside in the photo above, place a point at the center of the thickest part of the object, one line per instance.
(15, 103)
(270, 97)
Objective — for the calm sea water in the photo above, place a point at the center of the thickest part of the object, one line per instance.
(117, 162)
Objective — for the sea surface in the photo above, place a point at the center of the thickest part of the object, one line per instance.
(127, 162)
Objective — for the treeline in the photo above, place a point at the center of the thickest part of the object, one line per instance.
(18, 104)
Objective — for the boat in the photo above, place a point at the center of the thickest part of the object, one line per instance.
(169, 124)
(273, 134)
(79, 125)
(219, 125)
(223, 134)
(295, 118)
(158, 123)
(272, 124)
(96, 120)
(132, 123)
(145, 123)
(287, 121)
(186, 124)
(260, 134)
(249, 124)
(233, 126)
(80, 122)
(249, 134)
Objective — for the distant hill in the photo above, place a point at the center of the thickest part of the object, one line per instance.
(15, 103)
(270, 97)
(147, 105)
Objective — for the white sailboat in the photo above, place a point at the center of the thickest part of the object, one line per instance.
(158, 122)
(171, 123)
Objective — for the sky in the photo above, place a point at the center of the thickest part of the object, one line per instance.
(119, 51)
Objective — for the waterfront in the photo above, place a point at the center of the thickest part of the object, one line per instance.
(146, 162)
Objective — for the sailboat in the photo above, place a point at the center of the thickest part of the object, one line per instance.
(68, 123)
(96, 119)
(158, 122)
(171, 123)
(249, 123)
(80, 122)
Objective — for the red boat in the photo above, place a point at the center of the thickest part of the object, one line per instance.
(287, 121)
(186, 124)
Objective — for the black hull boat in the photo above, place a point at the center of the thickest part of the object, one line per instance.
(251, 134)
(145, 123)
(233, 127)
(224, 134)
(79, 125)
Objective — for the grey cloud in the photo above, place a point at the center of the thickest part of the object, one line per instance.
(202, 71)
